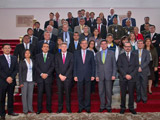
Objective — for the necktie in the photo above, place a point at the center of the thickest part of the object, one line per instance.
(103, 57)
(140, 54)
(128, 56)
(64, 58)
(45, 57)
(66, 36)
(151, 36)
(84, 56)
(75, 43)
(9, 61)
(99, 29)
(26, 46)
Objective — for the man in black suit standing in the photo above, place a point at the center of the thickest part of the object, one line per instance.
(70, 20)
(64, 69)
(51, 16)
(77, 19)
(146, 21)
(46, 40)
(101, 28)
(37, 31)
(128, 68)
(84, 73)
(8, 72)
(44, 69)
(33, 39)
(20, 48)
(73, 46)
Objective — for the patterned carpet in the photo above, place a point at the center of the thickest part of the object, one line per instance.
(86, 116)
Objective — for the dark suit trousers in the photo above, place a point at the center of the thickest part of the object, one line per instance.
(64, 86)
(9, 89)
(48, 91)
(130, 86)
(84, 103)
(141, 87)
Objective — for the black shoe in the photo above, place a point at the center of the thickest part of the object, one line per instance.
(80, 110)
(122, 111)
(109, 110)
(144, 101)
(3, 118)
(101, 110)
(69, 111)
(88, 111)
(138, 101)
(150, 93)
(25, 113)
(49, 111)
(133, 111)
(38, 112)
(13, 114)
(59, 111)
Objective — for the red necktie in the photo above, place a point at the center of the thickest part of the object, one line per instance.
(84, 56)
(64, 58)
(99, 29)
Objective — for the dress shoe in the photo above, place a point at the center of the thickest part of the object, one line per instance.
(144, 101)
(13, 114)
(80, 110)
(25, 113)
(32, 111)
(150, 93)
(59, 111)
(88, 111)
(122, 111)
(69, 111)
(49, 111)
(3, 118)
(109, 110)
(101, 110)
(38, 112)
(133, 111)
(138, 100)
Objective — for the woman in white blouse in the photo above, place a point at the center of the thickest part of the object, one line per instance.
(26, 81)
(133, 41)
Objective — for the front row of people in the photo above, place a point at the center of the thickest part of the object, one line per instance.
(84, 67)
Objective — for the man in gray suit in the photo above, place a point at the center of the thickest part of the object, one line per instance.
(143, 72)
(105, 73)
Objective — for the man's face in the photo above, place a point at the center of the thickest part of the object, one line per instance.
(6, 49)
(37, 25)
(104, 45)
(136, 30)
(129, 14)
(30, 32)
(115, 21)
(127, 47)
(45, 48)
(146, 27)
(82, 22)
(128, 23)
(87, 14)
(152, 29)
(112, 11)
(51, 16)
(140, 45)
(85, 29)
(26, 39)
(69, 15)
(51, 23)
(146, 20)
(79, 14)
(64, 48)
(92, 15)
(57, 15)
(65, 28)
(47, 36)
(109, 39)
(99, 21)
(49, 29)
(84, 44)
(76, 36)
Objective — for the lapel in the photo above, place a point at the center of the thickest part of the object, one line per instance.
(100, 57)
(107, 56)
(43, 58)
(6, 62)
(125, 57)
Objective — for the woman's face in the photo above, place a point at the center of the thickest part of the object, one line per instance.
(148, 42)
(95, 32)
(59, 41)
(91, 44)
(132, 37)
(124, 41)
(27, 54)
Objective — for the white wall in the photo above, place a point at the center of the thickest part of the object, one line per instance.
(8, 29)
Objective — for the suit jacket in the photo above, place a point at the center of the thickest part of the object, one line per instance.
(154, 57)
(133, 22)
(91, 23)
(72, 47)
(42, 67)
(86, 70)
(38, 34)
(108, 69)
(125, 67)
(145, 60)
(47, 23)
(103, 31)
(75, 22)
(71, 24)
(34, 41)
(78, 29)
(82, 36)
(51, 47)
(19, 51)
(23, 69)
(142, 27)
(70, 34)
(53, 38)
(64, 69)
(6, 72)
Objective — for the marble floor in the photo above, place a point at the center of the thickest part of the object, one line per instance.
(86, 116)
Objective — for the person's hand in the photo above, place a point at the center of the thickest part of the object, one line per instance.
(97, 79)
(9, 80)
(92, 78)
(21, 85)
(113, 77)
(155, 69)
(63, 78)
(140, 69)
(128, 77)
(75, 79)
(44, 76)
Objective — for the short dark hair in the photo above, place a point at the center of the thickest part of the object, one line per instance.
(103, 40)
(51, 13)
(109, 34)
(29, 29)
(146, 17)
(140, 41)
(37, 23)
(83, 10)
(44, 44)
(82, 41)
(97, 18)
(92, 13)
(5, 44)
(153, 26)
(75, 33)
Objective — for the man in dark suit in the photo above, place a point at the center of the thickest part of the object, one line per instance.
(38, 32)
(84, 73)
(70, 20)
(101, 28)
(8, 72)
(143, 72)
(146, 21)
(77, 19)
(112, 16)
(66, 35)
(155, 37)
(33, 39)
(64, 69)
(51, 16)
(75, 45)
(20, 48)
(128, 67)
(46, 40)
(133, 21)
(105, 74)
(44, 70)
(92, 21)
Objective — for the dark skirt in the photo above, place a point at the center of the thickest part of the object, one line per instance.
(151, 77)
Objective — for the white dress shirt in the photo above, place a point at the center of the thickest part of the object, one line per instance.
(29, 77)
